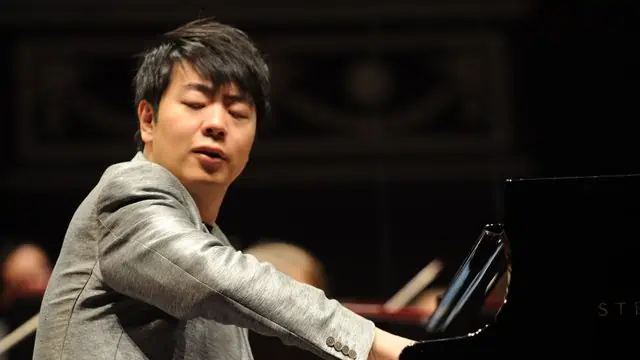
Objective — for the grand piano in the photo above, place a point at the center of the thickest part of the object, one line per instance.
(569, 249)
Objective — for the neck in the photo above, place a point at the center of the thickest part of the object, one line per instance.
(207, 200)
(209, 203)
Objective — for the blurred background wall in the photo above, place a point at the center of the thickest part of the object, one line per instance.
(394, 123)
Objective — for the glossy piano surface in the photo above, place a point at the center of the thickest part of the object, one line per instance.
(572, 244)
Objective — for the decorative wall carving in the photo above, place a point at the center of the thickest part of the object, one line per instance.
(75, 107)
(393, 89)
(411, 103)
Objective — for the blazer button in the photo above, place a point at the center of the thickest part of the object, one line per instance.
(352, 354)
(338, 345)
(345, 350)
(331, 341)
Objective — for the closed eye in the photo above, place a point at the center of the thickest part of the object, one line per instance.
(194, 105)
(238, 115)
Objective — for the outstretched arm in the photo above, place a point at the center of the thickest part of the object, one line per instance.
(151, 250)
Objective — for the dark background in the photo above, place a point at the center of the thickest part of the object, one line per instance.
(498, 89)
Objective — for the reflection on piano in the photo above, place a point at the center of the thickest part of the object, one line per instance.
(461, 305)
(570, 257)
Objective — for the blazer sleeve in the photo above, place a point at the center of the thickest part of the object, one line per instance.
(151, 250)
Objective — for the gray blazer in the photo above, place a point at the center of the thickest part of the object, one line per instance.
(139, 276)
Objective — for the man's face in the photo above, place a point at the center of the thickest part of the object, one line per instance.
(201, 136)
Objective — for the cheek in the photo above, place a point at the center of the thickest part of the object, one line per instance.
(245, 146)
(178, 131)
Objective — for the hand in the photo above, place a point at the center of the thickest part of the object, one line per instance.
(387, 346)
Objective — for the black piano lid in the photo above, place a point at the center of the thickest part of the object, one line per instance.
(574, 282)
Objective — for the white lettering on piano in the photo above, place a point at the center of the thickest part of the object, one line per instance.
(619, 308)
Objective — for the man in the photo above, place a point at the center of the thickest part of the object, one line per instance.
(25, 270)
(295, 261)
(144, 272)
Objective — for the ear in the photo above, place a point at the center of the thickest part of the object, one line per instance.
(146, 120)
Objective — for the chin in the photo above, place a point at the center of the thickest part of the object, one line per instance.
(218, 177)
(199, 178)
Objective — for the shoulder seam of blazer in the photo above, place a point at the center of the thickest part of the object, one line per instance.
(184, 198)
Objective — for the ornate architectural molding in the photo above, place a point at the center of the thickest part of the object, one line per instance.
(414, 102)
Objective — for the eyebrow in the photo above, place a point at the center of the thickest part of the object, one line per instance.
(210, 91)
(205, 89)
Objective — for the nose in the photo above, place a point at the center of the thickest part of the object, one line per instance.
(215, 126)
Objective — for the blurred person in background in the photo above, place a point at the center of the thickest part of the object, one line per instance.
(25, 271)
(291, 259)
